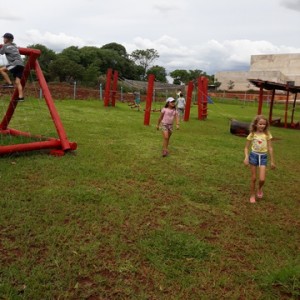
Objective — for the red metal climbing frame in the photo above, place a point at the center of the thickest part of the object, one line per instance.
(58, 146)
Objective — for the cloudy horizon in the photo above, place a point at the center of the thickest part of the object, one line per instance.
(219, 36)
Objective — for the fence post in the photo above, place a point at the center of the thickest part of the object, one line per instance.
(74, 93)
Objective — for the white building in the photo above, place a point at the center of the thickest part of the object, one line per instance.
(271, 67)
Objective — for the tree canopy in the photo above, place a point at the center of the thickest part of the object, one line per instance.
(89, 63)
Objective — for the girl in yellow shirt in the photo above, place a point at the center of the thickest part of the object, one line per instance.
(260, 141)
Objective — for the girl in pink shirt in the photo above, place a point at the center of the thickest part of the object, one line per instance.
(166, 119)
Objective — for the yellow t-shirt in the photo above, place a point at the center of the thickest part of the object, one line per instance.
(259, 141)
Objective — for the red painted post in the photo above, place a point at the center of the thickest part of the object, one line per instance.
(286, 108)
(114, 88)
(260, 101)
(54, 114)
(202, 97)
(188, 101)
(107, 87)
(271, 107)
(149, 99)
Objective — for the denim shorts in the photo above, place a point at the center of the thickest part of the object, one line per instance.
(258, 159)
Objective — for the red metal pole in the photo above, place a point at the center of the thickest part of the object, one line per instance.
(260, 101)
(149, 99)
(54, 114)
(30, 146)
(107, 87)
(202, 110)
(293, 111)
(286, 108)
(188, 101)
(199, 97)
(114, 88)
(271, 107)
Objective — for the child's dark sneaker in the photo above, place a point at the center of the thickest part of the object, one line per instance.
(20, 99)
(7, 85)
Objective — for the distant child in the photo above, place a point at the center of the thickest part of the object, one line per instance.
(166, 119)
(15, 64)
(260, 141)
(137, 101)
(181, 106)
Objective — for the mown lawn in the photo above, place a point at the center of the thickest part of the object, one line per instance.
(115, 220)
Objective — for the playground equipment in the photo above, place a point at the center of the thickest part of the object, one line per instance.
(202, 99)
(36, 142)
(147, 113)
(239, 128)
(110, 93)
(273, 86)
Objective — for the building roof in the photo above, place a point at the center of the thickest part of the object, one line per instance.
(270, 85)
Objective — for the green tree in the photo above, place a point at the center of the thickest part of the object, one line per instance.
(73, 53)
(180, 76)
(144, 58)
(46, 57)
(159, 72)
(89, 55)
(184, 76)
(65, 69)
(120, 49)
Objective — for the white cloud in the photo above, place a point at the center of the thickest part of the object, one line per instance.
(56, 42)
(9, 16)
(291, 4)
(210, 57)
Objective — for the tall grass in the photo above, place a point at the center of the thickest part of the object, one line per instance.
(115, 220)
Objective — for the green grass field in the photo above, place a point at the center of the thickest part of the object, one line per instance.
(115, 220)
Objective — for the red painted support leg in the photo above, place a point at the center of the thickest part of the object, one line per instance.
(202, 97)
(188, 101)
(49, 101)
(107, 87)
(149, 99)
(114, 88)
(260, 101)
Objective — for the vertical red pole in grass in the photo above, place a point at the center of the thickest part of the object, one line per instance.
(260, 101)
(271, 107)
(202, 97)
(188, 101)
(114, 88)
(149, 99)
(107, 87)
(286, 108)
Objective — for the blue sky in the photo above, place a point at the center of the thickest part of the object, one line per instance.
(192, 34)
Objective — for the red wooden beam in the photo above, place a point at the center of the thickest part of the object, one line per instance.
(114, 88)
(107, 87)
(188, 101)
(54, 114)
(260, 100)
(286, 108)
(149, 99)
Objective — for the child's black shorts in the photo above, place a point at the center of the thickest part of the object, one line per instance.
(17, 71)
